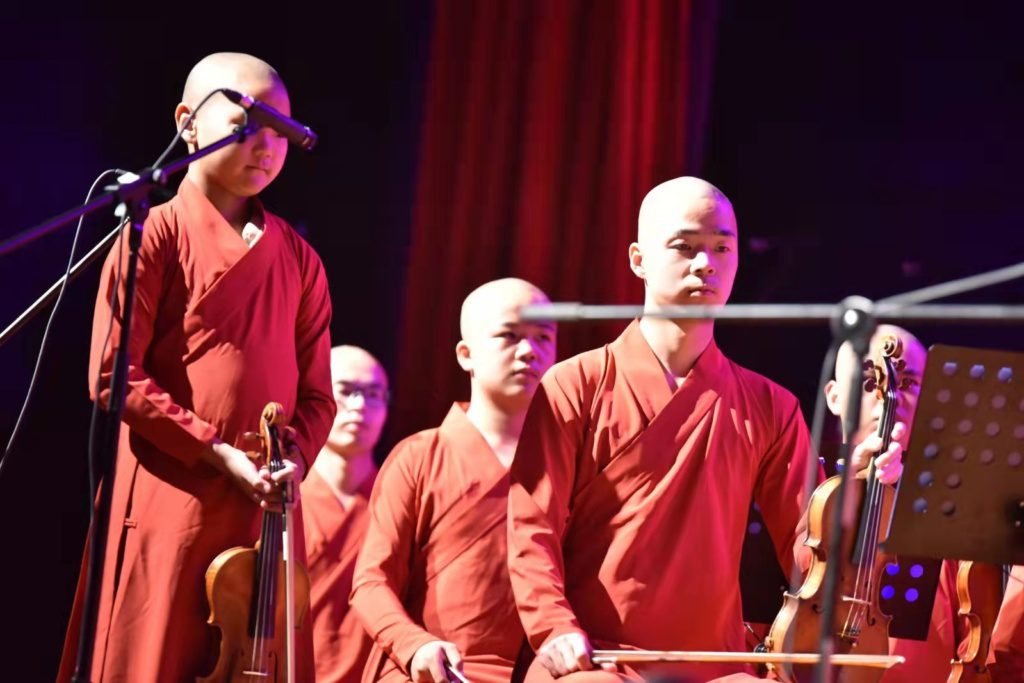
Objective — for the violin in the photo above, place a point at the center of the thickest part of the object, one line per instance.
(861, 626)
(979, 590)
(259, 595)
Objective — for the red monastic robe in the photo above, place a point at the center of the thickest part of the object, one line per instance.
(629, 500)
(334, 536)
(433, 563)
(218, 330)
(1006, 658)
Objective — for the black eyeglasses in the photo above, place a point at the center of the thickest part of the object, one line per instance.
(373, 394)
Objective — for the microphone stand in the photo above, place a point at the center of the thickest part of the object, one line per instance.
(853, 324)
(133, 206)
(50, 294)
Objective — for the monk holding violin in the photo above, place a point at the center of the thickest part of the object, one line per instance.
(232, 311)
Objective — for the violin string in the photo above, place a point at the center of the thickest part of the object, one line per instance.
(870, 547)
(271, 546)
(261, 603)
(853, 615)
(866, 554)
(273, 562)
(889, 417)
(852, 622)
(270, 557)
(853, 612)
(868, 542)
(877, 496)
(265, 556)
(258, 620)
(268, 583)
(259, 597)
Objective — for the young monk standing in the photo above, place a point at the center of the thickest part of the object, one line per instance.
(637, 463)
(431, 583)
(232, 311)
(334, 512)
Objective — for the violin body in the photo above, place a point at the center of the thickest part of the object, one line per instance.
(979, 588)
(258, 596)
(861, 626)
(229, 584)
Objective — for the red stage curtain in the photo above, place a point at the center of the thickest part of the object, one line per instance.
(545, 123)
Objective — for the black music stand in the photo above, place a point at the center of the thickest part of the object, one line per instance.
(961, 495)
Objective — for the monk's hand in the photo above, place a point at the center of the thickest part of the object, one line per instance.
(241, 469)
(888, 465)
(429, 662)
(567, 653)
(289, 441)
(283, 483)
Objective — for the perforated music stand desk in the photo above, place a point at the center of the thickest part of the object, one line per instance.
(960, 496)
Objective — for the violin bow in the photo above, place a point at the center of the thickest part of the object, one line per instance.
(288, 550)
(454, 674)
(273, 416)
(636, 656)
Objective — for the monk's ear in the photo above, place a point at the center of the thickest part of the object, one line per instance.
(832, 397)
(636, 261)
(463, 355)
(181, 114)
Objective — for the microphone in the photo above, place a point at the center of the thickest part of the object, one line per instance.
(262, 114)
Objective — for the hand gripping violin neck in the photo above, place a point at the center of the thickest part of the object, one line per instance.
(258, 596)
(860, 627)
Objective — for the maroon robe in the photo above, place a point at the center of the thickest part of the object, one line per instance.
(433, 563)
(218, 330)
(628, 502)
(334, 536)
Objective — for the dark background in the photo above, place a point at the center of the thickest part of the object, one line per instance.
(869, 152)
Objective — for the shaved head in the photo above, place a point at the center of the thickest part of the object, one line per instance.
(348, 362)
(233, 70)
(494, 299)
(685, 200)
(361, 392)
(244, 169)
(686, 249)
(909, 365)
(913, 351)
(504, 356)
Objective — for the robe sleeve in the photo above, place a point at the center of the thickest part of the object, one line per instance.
(382, 571)
(1006, 656)
(541, 484)
(149, 409)
(315, 406)
(779, 490)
